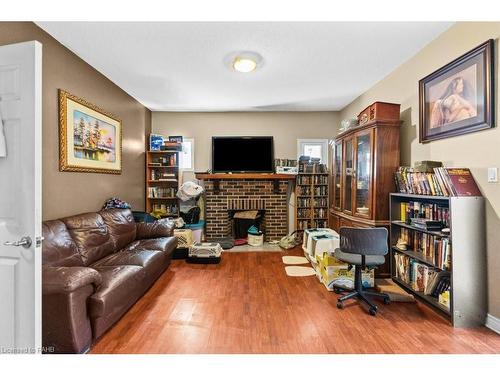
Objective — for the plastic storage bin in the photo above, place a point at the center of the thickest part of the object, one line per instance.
(197, 230)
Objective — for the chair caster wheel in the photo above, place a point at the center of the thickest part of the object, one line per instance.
(372, 311)
(340, 305)
(387, 301)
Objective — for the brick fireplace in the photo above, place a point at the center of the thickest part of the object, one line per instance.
(230, 193)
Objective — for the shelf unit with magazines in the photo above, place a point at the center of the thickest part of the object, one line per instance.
(426, 260)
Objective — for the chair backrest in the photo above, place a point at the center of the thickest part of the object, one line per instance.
(363, 241)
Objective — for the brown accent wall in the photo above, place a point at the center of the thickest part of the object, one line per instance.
(476, 151)
(67, 193)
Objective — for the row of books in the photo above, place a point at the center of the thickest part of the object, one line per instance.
(309, 164)
(316, 202)
(430, 211)
(421, 277)
(308, 180)
(161, 192)
(436, 248)
(318, 190)
(169, 160)
(158, 175)
(317, 223)
(458, 182)
(305, 213)
(442, 182)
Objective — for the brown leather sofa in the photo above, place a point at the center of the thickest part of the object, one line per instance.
(95, 267)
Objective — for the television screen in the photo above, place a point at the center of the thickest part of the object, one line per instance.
(242, 154)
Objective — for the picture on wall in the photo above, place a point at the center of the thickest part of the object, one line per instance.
(458, 98)
(90, 140)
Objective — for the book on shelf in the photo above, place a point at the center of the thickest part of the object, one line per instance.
(436, 249)
(421, 277)
(456, 182)
(426, 224)
(459, 181)
(428, 212)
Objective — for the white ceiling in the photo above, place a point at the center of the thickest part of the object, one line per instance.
(175, 66)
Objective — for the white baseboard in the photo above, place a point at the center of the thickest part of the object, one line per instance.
(493, 323)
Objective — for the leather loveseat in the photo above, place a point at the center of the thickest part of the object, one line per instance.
(95, 267)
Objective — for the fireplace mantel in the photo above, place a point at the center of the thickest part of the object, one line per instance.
(244, 176)
(216, 177)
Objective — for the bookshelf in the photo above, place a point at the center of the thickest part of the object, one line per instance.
(426, 253)
(311, 206)
(162, 182)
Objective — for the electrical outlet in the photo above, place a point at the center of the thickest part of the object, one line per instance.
(493, 174)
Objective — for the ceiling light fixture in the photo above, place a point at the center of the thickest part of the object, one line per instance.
(244, 64)
(243, 61)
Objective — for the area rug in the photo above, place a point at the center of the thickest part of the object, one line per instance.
(395, 293)
(299, 271)
(294, 260)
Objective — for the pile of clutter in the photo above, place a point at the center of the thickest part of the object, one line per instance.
(319, 245)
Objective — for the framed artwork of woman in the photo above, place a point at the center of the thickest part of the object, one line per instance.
(458, 98)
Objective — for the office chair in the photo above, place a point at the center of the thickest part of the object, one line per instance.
(361, 247)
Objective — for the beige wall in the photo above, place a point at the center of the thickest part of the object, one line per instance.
(286, 127)
(477, 151)
(67, 193)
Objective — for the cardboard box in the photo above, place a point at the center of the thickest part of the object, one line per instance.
(335, 273)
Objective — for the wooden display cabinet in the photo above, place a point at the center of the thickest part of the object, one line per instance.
(362, 176)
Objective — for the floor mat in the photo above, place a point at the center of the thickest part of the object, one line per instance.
(294, 260)
(298, 271)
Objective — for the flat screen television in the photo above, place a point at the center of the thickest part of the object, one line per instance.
(242, 154)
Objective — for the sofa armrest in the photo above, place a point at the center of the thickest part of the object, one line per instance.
(157, 229)
(68, 279)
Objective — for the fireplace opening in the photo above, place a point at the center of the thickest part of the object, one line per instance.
(242, 220)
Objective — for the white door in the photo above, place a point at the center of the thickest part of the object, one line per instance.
(20, 197)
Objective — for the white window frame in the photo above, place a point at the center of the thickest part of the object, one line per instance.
(314, 141)
(190, 140)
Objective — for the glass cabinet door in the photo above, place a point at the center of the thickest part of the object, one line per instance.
(348, 174)
(363, 174)
(337, 175)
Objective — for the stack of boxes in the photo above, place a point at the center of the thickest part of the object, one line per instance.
(319, 246)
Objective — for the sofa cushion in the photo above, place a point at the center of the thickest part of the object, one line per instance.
(166, 244)
(121, 226)
(58, 248)
(121, 286)
(91, 236)
(157, 229)
(153, 261)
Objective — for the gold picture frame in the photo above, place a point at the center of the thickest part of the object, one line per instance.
(90, 139)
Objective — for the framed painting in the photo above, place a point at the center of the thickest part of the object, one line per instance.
(458, 98)
(90, 140)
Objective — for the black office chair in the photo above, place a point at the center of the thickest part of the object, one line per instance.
(361, 247)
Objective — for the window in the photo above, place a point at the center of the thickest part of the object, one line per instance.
(187, 155)
(315, 148)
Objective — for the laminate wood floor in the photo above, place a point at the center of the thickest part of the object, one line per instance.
(247, 304)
